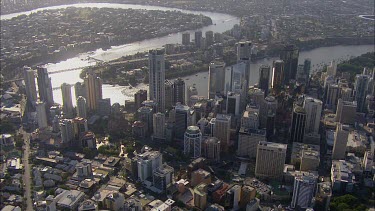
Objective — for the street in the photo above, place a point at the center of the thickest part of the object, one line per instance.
(26, 175)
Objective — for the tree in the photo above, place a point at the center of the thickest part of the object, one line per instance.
(89, 153)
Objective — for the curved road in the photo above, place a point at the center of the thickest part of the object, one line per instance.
(26, 175)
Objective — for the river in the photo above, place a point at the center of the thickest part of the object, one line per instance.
(221, 23)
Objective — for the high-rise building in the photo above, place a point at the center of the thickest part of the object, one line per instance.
(139, 97)
(233, 197)
(264, 78)
(209, 38)
(346, 94)
(297, 130)
(169, 94)
(222, 129)
(84, 169)
(184, 117)
(198, 39)
(94, 93)
(157, 77)
(45, 86)
(268, 105)
(323, 196)
(81, 107)
(145, 114)
(41, 114)
(211, 148)
(346, 112)
(191, 90)
(250, 118)
(248, 140)
(332, 96)
(289, 55)
(332, 69)
(218, 37)
(80, 90)
(186, 38)
(360, 88)
(248, 193)
(67, 132)
(147, 163)
(200, 196)
(216, 79)
(278, 74)
(270, 160)
(159, 126)
(270, 126)
(104, 107)
(303, 191)
(340, 141)
(163, 177)
(233, 103)
(313, 108)
(256, 96)
(235, 77)
(179, 91)
(244, 54)
(68, 108)
(29, 78)
(307, 66)
(193, 142)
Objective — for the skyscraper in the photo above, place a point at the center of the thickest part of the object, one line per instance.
(267, 106)
(297, 130)
(233, 103)
(191, 90)
(139, 97)
(45, 86)
(186, 38)
(244, 54)
(157, 77)
(147, 163)
(80, 90)
(41, 114)
(211, 148)
(29, 78)
(270, 160)
(184, 117)
(159, 126)
(333, 92)
(264, 78)
(169, 94)
(198, 39)
(145, 114)
(93, 85)
(81, 107)
(66, 91)
(313, 108)
(209, 38)
(340, 141)
(237, 78)
(222, 129)
(346, 112)
(216, 78)
(290, 55)
(278, 74)
(193, 142)
(248, 140)
(361, 87)
(179, 91)
(303, 191)
(67, 131)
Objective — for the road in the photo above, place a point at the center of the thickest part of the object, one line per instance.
(26, 175)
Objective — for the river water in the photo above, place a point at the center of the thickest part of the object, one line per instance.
(221, 23)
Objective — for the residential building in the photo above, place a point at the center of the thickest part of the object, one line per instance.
(157, 78)
(200, 176)
(81, 107)
(41, 114)
(44, 86)
(94, 93)
(163, 177)
(200, 196)
(139, 97)
(30, 87)
(186, 38)
(68, 109)
(147, 163)
(159, 126)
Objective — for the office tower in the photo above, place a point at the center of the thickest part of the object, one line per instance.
(310, 160)
(256, 96)
(268, 105)
(41, 114)
(333, 92)
(163, 177)
(198, 39)
(200, 196)
(250, 119)
(218, 37)
(159, 126)
(222, 129)
(179, 91)
(346, 112)
(104, 107)
(191, 90)
(184, 117)
(313, 108)
(45, 86)
(145, 114)
(67, 132)
(244, 54)
(29, 78)
(297, 130)
(278, 74)
(360, 88)
(79, 126)
(147, 163)
(169, 94)
(84, 169)
(94, 93)
(289, 55)
(193, 142)
(270, 125)
(323, 196)
(332, 69)
(302, 77)
(80, 90)
(150, 104)
(264, 78)
(66, 91)
(303, 191)
(157, 77)
(139, 97)
(233, 197)
(346, 94)
(139, 129)
(248, 193)
(211, 148)
(340, 141)
(81, 107)
(209, 38)
(270, 160)
(233, 103)
(307, 66)
(248, 140)
(186, 38)
(235, 77)
(216, 79)
(55, 124)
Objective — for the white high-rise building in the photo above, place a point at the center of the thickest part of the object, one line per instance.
(66, 91)
(81, 107)
(270, 160)
(244, 54)
(159, 125)
(193, 142)
(313, 108)
(222, 129)
(332, 69)
(41, 114)
(216, 78)
(303, 191)
(67, 131)
(147, 163)
(29, 78)
(157, 77)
